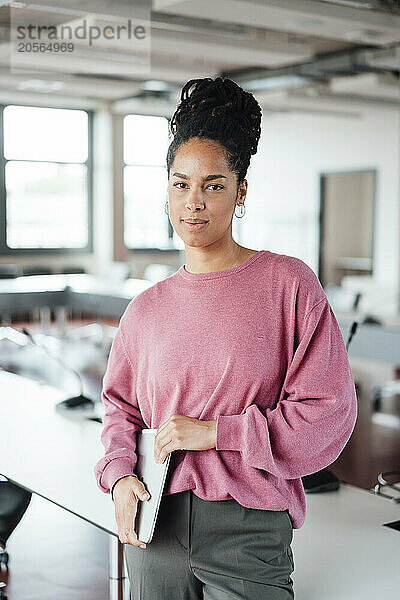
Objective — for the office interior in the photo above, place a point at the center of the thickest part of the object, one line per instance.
(84, 136)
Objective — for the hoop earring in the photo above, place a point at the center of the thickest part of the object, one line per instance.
(242, 211)
(166, 207)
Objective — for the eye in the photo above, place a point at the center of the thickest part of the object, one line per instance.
(221, 187)
(179, 183)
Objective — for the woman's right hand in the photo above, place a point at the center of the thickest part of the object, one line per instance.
(126, 493)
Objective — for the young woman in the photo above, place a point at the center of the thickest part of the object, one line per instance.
(239, 362)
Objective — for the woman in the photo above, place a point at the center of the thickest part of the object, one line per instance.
(239, 362)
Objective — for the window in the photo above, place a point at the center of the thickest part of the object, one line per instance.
(146, 225)
(46, 179)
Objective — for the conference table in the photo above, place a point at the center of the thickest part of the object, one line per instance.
(81, 291)
(105, 298)
(342, 552)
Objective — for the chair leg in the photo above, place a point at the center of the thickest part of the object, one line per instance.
(4, 557)
(376, 400)
(2, 594)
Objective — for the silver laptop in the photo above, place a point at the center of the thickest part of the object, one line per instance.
(153, 476)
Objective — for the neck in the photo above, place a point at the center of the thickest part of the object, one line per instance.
(216, 257)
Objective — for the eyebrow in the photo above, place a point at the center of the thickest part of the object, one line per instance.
(208, 178)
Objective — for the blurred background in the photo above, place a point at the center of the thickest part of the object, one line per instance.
(83, 141)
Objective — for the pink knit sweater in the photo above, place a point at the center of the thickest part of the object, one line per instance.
(256, 347)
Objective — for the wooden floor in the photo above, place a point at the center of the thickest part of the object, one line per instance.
(55, 555)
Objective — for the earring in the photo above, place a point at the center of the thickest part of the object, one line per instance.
(166, 208)
(242, 211)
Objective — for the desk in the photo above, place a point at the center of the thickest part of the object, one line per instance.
(372, 342)
(342, 552)
(91, 293)
(80, 291)
(53, 456)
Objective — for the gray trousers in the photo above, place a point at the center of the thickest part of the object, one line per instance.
(213, 550)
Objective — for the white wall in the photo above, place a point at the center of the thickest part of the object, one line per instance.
(282, 206)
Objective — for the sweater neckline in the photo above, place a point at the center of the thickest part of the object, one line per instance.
(219, 274)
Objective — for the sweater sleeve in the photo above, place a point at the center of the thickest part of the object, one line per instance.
(315, 414)
(121, 420)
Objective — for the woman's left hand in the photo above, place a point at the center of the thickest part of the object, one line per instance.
(184, 433)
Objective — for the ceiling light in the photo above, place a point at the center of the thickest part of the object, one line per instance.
(156, 86)
(352, 3)
(40, 85)
(14, 4)
(365, 36)
(276, 82)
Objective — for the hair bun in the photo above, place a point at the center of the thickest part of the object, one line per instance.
(223, 99)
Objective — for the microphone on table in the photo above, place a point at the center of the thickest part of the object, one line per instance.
(78, 405)
(352, 330)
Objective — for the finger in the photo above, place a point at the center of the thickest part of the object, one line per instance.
(126, 531)
(125, 514)
(161, 439)
(162, 426)
(140, 491)
(161, 432)
(170, 447)
(132, 539)
(126, 534)
(165, 424)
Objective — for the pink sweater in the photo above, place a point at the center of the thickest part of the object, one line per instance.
(256, 347)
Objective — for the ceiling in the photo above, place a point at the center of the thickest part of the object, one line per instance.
(310, 55)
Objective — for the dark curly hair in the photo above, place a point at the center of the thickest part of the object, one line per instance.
(220, 110)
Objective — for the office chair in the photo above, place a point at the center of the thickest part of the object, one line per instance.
(113, 273)
(72, 270)
(157, 272)
(9, 271)
(14, 501)
(387, 389)
(342, 299)
(384, 483)
(37, 270)
(42, 313)
(63, 313)
(2, 596)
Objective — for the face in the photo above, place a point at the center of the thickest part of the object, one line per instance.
(202, 186)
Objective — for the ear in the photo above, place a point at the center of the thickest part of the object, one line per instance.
(242, 190)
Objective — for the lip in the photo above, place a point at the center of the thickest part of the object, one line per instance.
(195, 221)
(195, 224)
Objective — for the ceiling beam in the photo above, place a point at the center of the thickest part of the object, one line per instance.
(305, 17)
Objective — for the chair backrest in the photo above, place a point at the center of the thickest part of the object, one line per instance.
(342, 299)
(115, 271)
(9, 271)
(72, 270)
(37, 270)
(156, 272)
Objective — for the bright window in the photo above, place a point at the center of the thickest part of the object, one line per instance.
(145, 183)
(46, 178)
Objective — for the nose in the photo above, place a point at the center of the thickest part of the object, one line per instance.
(196, 208)
(194, 202)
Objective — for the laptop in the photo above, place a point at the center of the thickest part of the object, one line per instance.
(153, 476)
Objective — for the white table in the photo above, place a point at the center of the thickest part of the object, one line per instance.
(342, 552)
(53, 456)
(82, 291)
(92, 293)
